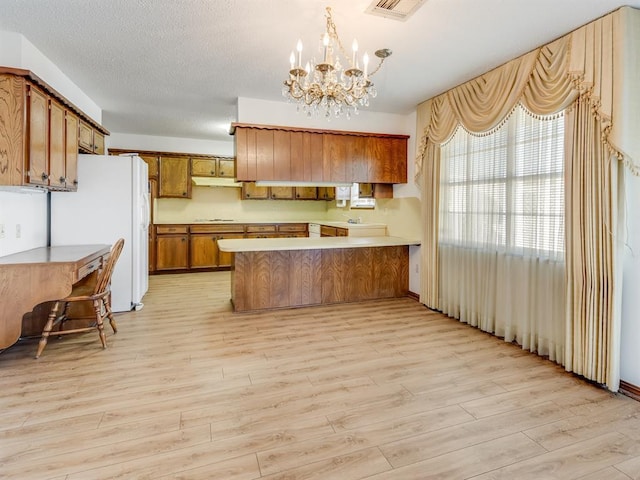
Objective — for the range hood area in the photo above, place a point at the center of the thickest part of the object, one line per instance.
(215, 182)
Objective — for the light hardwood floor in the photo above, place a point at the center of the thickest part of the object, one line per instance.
(377, 390)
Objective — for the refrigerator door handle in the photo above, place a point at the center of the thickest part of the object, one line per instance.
(146, 219)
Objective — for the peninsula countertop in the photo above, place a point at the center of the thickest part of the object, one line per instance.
(318, 243)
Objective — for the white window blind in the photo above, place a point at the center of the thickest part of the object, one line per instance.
(504, 191)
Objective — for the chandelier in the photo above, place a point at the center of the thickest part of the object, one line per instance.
(328, 87)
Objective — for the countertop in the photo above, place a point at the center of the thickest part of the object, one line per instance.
(318, 243)
(328, 223)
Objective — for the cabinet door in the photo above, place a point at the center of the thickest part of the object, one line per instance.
(336, 157)
(227, 167)
(57, 150)
(204, 251)
(264, 155)
(251, 192)
(282, 193)
(281, 155)
(172, 252)
(152, 163)
(365, 190)
(38, 155)
(326, 231)
(85, 137)
(71, 148)
(203, 167)
(246, 154)
(326, 193)
(306, 193)
(225, 259)
(175, 177)
(98, 143)
(387, 160)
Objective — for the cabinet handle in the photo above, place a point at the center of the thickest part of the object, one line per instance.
(44, 176)
(221, 174)
(62, 180)
(75, 182)
(184, 194)
(247, 195)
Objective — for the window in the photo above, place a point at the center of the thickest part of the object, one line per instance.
(505, 190)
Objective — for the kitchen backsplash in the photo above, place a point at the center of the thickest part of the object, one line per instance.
(225, 203)
(401, 215)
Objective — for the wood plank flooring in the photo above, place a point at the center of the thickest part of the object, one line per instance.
(378, 390)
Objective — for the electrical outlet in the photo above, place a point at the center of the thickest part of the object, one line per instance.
(1, 230)
(417, 268)
(18, 230)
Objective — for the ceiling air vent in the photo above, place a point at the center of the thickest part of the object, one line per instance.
(395, 9)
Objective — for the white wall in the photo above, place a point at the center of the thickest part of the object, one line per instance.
(170, 144)
(23, 221)
(23, 207)
(18, 52)
(630, 328)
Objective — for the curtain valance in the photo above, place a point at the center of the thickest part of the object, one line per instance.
(588, 62)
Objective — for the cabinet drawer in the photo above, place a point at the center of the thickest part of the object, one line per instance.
(261, 228)
(292, 227)
(89, 268)
(164, 229)
(218, 228)
(342, 232)
(326, 231)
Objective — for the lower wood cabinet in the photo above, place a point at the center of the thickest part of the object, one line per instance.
(172, 247)
(195, 247)
(203, 244)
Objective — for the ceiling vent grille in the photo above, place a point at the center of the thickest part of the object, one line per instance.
(395, 9)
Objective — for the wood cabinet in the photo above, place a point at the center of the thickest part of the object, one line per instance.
(261, 231)
(305, 193)
(293, 230)
(39, 132)
(90, 140)
(328, 231)
(326, 193)
(265, 152)
(204, 167)
(250, 191)
(174, 177)
(203, 246)
(172, 247)
(281, 193)
(152, 162)
(195, 247)
(213, 167)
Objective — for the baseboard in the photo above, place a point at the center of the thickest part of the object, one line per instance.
(413, 295)
(630, 390)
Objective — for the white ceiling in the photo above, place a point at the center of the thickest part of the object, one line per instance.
(176, 67)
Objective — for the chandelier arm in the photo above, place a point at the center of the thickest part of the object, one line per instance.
(372, 73)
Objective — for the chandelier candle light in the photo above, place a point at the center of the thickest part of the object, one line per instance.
(325, 86)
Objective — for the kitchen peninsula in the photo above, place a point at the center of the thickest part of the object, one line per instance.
(269, 273)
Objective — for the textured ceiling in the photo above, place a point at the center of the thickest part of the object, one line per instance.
(176, 67)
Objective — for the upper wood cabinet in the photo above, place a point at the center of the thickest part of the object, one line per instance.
(213, 167)
(39, 132)
(174, 177)
(152, 162)
(266, 152)
(90, 140)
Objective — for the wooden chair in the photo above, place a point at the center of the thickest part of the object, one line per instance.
(100, 298)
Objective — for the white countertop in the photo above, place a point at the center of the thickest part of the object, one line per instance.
(354, 226)
(318, 243)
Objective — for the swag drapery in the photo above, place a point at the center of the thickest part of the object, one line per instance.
(587, 74)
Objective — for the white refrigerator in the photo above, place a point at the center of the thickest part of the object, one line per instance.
(112, 201)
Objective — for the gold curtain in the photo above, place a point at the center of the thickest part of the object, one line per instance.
(584, 72)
